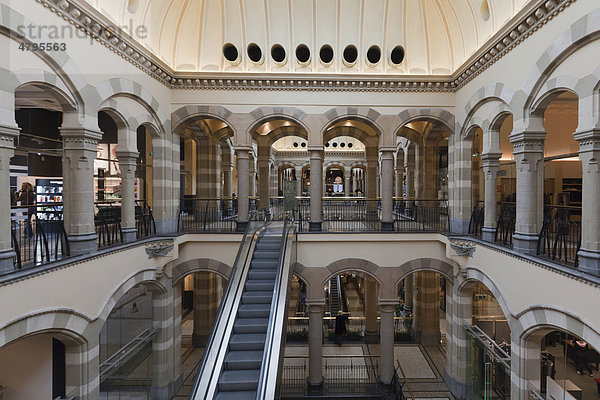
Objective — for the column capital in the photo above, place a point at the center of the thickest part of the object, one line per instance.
(386, 154)
(241, 148)
(387, 149)
(527, 137)
(127, 155)
(589, 140)
(7, 136)
(80, 138)
(242, 152)
(316, 154)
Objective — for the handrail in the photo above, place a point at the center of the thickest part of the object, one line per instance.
(273, 353)
(205, 385)
(115, 360)
(412, 396)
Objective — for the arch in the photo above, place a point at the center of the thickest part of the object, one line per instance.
(475, 274)
(491, 92)
(284, 131)
(536, 318)
(551, 90)
(116, 115)
(147, 276)
(364, 114)
(439, 115)
(49, 82)
(350, 265)
(64, 321)
(351, 131)
(198, 265)
(475, 124)
(580, 33)
(425, 264)
(498, 115)
(266, 114)
(184, 114)
(119, 111)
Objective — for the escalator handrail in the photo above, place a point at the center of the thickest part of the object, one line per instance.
(269, 371)
(205, 385)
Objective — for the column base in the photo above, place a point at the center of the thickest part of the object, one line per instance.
(83, 244)
(526, 243)
(407, 309)
(371, 337)
(315, 226)
(166, 226)
(315, 388)
(427, 339)
(488, 234)
(178, 383)
(129, 235)
(241, 226)
(7, 263)
(459, 226)
(458, 389)
(387, 226)
(162, 392)
(589, 261)
(200, 340)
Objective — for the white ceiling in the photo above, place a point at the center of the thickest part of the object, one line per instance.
(189, 35)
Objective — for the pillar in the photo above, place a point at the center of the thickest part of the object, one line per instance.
(491, 163)
(252, 178)
(206, 303)
(409, 165)
(426, 307)
(386, 341)
(316, 179)
(206, 168)
(177, 316)
(589, 154)
(166, 175)
(127, 164)
(7, 150)
(370, 310)
(298, 172)
(387, 190)
(263, 181)
(529, 160)
(243, 188)
(408, 293)
(162, 346)
(347, 190)
(79, 151)
(315, 343)
(399, 174)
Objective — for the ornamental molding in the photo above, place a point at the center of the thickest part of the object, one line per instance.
(159, 249)
(463, 248)
(101, 29)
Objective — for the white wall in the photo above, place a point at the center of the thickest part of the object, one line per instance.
(26, 369)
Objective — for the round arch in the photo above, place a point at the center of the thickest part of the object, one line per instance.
(364, 114)
(425, 264)
(200, 265)
(437, 115)
(353, 265)
(185, 114)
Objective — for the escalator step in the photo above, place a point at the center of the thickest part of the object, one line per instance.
(240, 395)
(243, 359)
(250, 325)
(266, 254)
(232, 381)
(247, 341)
(264, 264)
(260, 297)
(254, 310)
(259, 285)
(261, 274)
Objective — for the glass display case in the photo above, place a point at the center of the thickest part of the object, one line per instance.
(49, 191)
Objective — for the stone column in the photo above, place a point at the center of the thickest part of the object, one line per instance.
(162, 346)
(206, 304)
(127, 164)
(298, 172)
(399, 174)
(408, 293)
(386, 341)
(589, 154)
(410, 173)
(347, 189)
(371, 177)
(227, 180)
(242, 192)
(263, 182)
(252, 178)
(316, 179)
(315, 343)
(426, 307)
(387, 190)
(370, 310)
(7, 150)
(529, 160)
(79, 152)
(491, 163)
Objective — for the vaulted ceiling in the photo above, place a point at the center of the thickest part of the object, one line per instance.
(436, 36)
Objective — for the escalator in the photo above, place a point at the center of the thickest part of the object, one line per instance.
(334, 296)
(245, 352)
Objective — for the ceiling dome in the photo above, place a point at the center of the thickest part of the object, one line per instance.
(405, 37)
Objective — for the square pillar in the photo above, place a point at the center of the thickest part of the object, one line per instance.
(7, 150)
(127, 164)
(316, 179)
(491, 163)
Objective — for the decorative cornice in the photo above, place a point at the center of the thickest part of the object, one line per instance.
(97, 26)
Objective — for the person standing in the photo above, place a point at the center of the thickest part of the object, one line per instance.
(27, 198)
(340, 327)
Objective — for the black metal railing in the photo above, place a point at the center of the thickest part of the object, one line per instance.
(38, 234)
(421, 215)
(108, 224)
(505, 228)
(144, 220)
(351, 214)
(560, 236)
(477, 220)
(209, 215)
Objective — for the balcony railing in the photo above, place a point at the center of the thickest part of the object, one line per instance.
(505, 228)
(477, 220)
(108, 224)
(421, 215)
(198, 215)
(560, 236)
(144, 220)
(38, 234)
